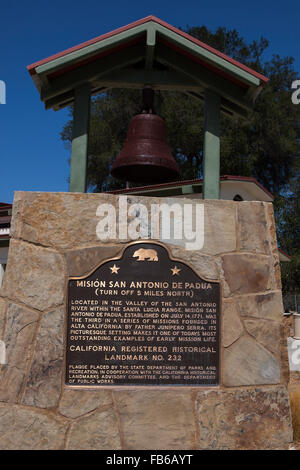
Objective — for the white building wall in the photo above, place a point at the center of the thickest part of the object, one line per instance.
(229, 189)
(3, 261)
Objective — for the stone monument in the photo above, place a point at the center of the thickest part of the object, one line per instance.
(136, 336)
(192, 366)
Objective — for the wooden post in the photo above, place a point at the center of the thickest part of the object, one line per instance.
(80, 139)
(211, 169)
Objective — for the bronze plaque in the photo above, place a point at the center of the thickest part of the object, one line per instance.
(143, 319)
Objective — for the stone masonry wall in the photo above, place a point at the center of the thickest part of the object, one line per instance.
(53, 238)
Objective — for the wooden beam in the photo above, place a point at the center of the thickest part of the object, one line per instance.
(63, 99)
(233, 109)
(67, 99)
(159, 79)
(211, 168)
(159, 192)
(229, 109)
(137, 78)
(150, 46)
(92, 71)
(204, 77)
(207, 55)
(80, 139)
(187, 189)
(92, 49)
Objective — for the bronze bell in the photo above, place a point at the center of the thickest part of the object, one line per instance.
(146, 157)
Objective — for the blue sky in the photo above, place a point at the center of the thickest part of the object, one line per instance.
(33, 158)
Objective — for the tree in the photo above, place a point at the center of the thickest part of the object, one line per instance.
(288, 232)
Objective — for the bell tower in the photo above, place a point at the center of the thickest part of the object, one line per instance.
(147, 53)
(132, 323)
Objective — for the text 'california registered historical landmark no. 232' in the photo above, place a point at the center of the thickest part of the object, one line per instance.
(143, 319)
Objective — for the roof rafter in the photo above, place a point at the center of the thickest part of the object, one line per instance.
(204, 77)
(107, 62)
(92, 71)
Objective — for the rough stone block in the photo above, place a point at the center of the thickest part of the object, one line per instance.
(58, 219)
(43, 387)
(76, 403)
(2, 316)
(80, 262)
(253, 227)
(267, 306)
(98, 431)
(273, 245)
(266, 332)
(19, 339)
(34, 276)
(254, 418)
(156, 419)
(66, 220)
(246, 273)
(204, 265)
(220, 227)
(232, 327)
(247, 363)
(26, 429)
